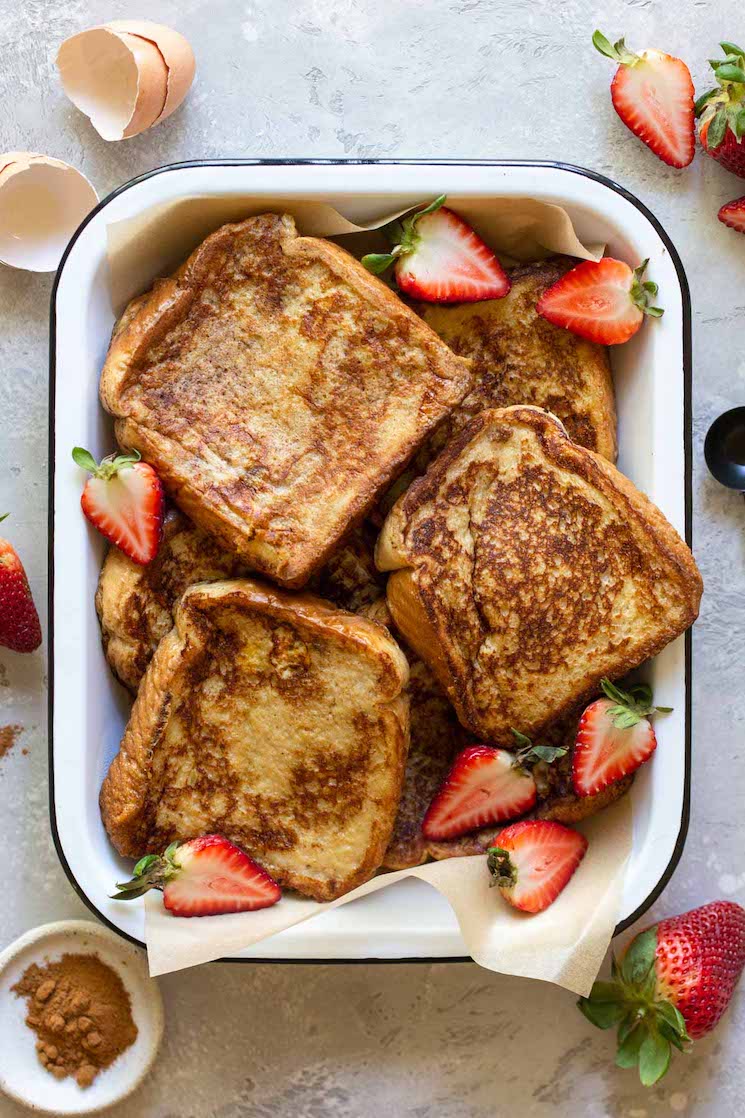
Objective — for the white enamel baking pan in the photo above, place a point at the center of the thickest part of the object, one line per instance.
(88, 709)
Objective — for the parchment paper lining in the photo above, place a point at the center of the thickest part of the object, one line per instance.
(566, 943)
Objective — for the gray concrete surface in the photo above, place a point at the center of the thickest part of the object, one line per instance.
(370, 78)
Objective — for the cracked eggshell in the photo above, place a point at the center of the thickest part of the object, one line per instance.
(42, 202)
(126, 75)
(176, 52)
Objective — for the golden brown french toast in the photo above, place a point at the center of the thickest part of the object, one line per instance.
(275, 720)
(135, 603)
(521, 358)
(525, 568)
(277, 388)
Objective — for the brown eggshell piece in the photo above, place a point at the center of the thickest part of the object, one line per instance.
(176, 51)
(42, 202)
(119, 81)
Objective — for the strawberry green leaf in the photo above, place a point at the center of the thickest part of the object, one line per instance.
(627, 1026)
(521, 740)
(617, 52)
(732, 48)
(654, 1058)
(672, 1016)
(430, 209)
(378, 262)
(703, 101)
(4, 517)
(627, 1055)
(740, 124)
(548, 753)
(623, 718)
(671, 1035)
(729, 72)
(717, 129)
(527, 753)
(120, 462)
(144, 864)
(605, 46)
(639, 958)
(84, 459)
(605, 991)
(604, 1015)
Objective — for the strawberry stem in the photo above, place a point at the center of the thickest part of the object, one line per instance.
(529, 754)
(403, 236)
(643, 292)
(108, 466)
(151, 872)
(501, 867)
(632, 705)
(617, 52)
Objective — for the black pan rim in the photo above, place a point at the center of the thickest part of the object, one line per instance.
(688, 483)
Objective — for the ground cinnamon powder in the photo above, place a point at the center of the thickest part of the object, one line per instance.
(81, 1012)
(8, 737)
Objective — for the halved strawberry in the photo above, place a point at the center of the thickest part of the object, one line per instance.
(438, 258)
(531, 862)
(124, 500)
(614, 737)
(604, 301)
(484, 786)
(19, 622)
(733, 215)
(205, 876)
(652, 92)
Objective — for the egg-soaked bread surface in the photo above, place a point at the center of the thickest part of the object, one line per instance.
(275, 720)
(526, 568)
(277, 388)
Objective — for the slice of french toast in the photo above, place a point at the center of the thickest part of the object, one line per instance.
(277, 388)
(275, 720)
(526, 568)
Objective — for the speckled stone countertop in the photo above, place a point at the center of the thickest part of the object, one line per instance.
(367, 78)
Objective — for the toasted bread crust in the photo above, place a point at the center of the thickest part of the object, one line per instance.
(243, 667)
(526, 568)
(277, 387)
(135, 603)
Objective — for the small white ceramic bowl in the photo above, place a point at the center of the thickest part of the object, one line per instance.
(21, 1075)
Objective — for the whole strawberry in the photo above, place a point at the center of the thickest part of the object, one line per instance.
(721, 111)
(673, 984)
(19, 622)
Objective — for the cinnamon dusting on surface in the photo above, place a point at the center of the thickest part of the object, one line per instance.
(81, 1013)
(8, 738)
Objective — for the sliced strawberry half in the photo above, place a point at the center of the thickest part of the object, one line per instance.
(438, 258)
(19, 622)
(604, 301)
(532, 861)
(733, 215)
(653, 94)
(484, 786)
(614, 737)
(206, 876)
(124, 501)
